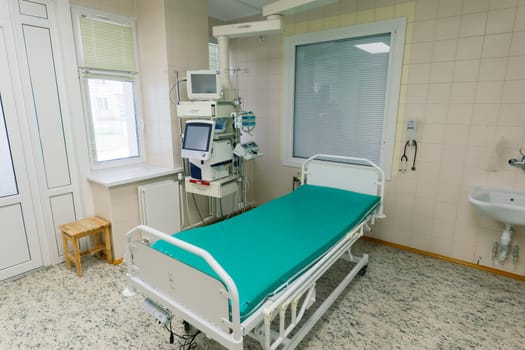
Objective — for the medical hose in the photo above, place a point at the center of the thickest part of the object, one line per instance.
(415, 155)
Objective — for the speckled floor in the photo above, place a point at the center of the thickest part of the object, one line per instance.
(405, 301)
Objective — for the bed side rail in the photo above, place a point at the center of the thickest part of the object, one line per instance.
(169, 281)
(290, 305)
(350, 173)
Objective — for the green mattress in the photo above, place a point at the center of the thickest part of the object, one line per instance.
(265, 247)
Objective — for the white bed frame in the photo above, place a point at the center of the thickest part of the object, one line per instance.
(206, 303)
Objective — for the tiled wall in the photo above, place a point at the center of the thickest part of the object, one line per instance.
(464, 84)
(463, 81)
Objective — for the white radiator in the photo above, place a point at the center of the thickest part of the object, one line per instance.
(160, 206)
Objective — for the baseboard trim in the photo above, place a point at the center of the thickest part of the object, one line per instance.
(446, 258)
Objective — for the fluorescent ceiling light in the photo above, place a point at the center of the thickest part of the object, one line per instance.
(379, 47)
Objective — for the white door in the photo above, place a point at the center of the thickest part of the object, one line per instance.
(19, 244)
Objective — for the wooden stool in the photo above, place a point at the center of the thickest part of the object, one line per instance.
(73, 231)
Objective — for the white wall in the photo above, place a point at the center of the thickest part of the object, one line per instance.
(153, 56)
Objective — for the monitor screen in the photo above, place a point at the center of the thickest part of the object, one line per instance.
(197, 139)
(203, 85)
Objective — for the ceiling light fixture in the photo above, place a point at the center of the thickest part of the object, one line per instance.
(373, 48)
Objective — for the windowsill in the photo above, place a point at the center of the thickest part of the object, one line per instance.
(117, 176)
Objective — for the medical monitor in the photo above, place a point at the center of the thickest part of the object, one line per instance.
(198, 139)
(203, 85)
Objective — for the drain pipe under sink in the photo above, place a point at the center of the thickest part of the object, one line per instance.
(506, 238)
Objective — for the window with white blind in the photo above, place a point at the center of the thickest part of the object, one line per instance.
(342, 91)
(107, 61)
(213, 56)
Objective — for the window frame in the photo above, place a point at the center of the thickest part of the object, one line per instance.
(86, 73)
(397, 28)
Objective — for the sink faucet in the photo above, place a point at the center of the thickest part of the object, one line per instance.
(518, 163)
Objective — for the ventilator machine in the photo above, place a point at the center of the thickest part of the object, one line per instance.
(212, 120)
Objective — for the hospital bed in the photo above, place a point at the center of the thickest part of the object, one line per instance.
(255, 274)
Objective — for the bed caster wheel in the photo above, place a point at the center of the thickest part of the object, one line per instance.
(362, 271)
(187, 327)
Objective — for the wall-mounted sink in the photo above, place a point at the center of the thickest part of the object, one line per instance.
(504, 205)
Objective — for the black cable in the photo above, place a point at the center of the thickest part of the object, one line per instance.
(415, 155)
(186, 341)
(189, 341)
(172, 338)
(196, 206)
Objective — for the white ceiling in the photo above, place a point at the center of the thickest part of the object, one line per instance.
(227, 10)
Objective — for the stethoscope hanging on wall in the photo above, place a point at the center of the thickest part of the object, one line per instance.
(411, 141)
(404, 157)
